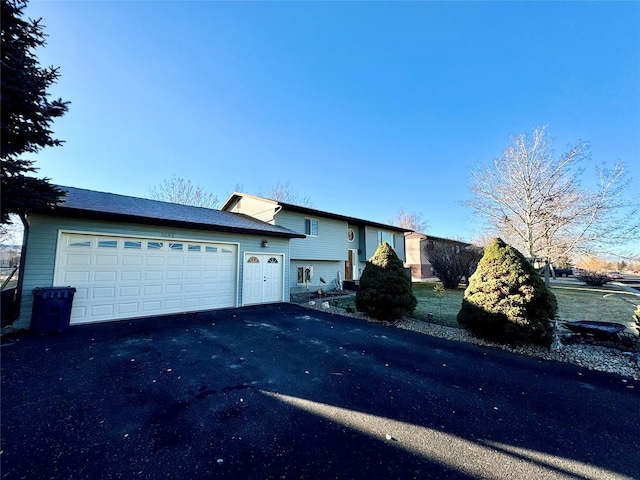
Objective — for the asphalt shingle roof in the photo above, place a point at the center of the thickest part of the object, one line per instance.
(93, 204)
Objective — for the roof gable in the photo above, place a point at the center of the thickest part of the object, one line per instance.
(234, 198)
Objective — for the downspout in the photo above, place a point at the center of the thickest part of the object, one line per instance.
(23, 257)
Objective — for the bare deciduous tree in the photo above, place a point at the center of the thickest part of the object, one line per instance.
(410, 221)
(184, 192)
(283, 192)
(536, 202)
(452, 260)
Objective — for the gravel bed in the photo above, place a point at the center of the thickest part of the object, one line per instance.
(592, 357)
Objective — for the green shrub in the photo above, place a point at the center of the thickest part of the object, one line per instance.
(385, 289)
(507, 300)
(593, 279)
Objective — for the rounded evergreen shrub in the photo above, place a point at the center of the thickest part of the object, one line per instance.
(385, 291)
(506, 299)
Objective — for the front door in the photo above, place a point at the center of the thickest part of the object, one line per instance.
(262, 278)
(351, 265)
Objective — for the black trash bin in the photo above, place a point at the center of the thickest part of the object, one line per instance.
(51, 309)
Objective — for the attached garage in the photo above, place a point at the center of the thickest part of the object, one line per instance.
(119, 277)
(131, 257)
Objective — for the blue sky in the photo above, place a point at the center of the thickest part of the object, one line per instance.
(364, 107)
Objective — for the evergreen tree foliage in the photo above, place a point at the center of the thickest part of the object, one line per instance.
(507, 300)
(27, 113)
(385, 289)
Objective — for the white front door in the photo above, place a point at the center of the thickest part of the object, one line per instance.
(262, 278)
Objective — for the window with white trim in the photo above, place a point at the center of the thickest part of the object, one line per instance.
(311, 227)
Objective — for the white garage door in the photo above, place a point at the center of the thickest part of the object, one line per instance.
(127, 277)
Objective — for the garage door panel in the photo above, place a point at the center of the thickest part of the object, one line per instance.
(128, 308)
(175, 261)
(131, 275)
(124, 277)
(173, 289)
(154, 261)
(148, 290)
(106, 260)
(130, 291)
(100, 276)
(152, 307)
(82, 293)
(195, 261)
(150, 275)
(173, 305)
(72, 277)
(103, 292)
(132, 260)
(76, 259)
(102, 310)
(193, 275)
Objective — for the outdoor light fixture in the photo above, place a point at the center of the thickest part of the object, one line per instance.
(429, 317)
(265, 243)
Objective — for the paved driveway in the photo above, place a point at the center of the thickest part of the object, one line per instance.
(285, 392)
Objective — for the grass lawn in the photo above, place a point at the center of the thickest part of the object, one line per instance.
(575, 302)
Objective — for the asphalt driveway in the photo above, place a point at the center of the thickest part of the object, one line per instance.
(285, 392)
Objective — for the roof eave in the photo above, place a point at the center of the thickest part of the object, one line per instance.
(92, 214)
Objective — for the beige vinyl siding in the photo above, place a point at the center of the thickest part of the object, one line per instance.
(43, 237)
(256, 208)
(330, 243)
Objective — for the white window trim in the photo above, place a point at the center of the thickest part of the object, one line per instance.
(311, 220)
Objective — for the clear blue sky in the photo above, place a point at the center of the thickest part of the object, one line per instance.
(365, 107)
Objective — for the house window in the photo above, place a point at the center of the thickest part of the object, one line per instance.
(386, 237)
(305, 274)
(351, 235)
(311, 227)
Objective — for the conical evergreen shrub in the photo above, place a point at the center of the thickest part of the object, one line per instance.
(506, 299)
(385, 289)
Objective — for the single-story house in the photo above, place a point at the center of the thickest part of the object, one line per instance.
(333, 247)
(132, 257)
(417, 258)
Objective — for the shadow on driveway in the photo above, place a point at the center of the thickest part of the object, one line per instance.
(280, 391)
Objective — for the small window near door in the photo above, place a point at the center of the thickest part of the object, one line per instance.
(253, 260)
(351, 235)
(272, 260)
(311, 227)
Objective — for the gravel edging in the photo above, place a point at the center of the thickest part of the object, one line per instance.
(591, 357)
